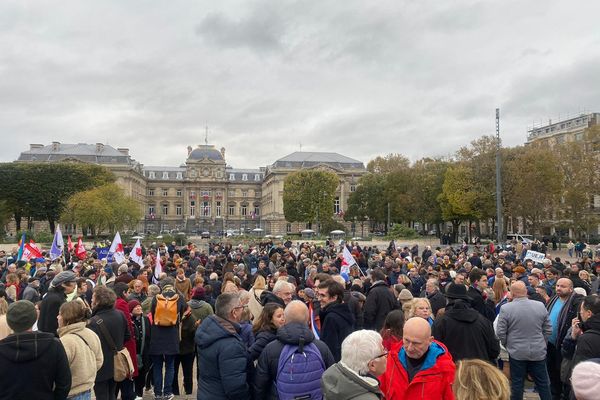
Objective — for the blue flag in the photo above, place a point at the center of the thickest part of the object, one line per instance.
(58, 244)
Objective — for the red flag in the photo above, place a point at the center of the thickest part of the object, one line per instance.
(31, 251)
(80, 250)
(69, 244)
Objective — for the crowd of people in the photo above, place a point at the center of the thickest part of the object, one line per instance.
(299, 321)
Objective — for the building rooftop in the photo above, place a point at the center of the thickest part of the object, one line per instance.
(205, 152)
(313, 158)
(572, 124)
(98, 153)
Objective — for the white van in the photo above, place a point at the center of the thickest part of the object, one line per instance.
(518, 237)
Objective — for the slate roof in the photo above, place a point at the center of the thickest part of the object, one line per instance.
(300, 159)
(93, 153)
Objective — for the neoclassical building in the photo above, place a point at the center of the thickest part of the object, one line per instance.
(204, 193)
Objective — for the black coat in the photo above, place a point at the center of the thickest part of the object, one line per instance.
(165, 339)
(263, 338)
(49, 310)
(34, 366)
(380, 301)
(337, 322)
(466, 333)
(569, 311)
(266, 369)
(223, 361)
(116, 324)
(588, 344)
(437, 300)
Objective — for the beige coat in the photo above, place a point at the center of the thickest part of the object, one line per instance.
(254, 303)
(4, 328)
(84, 359)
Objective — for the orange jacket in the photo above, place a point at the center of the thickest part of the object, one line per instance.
(432, 382)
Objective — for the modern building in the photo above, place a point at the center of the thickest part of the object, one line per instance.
(204, 194)
(566, 130)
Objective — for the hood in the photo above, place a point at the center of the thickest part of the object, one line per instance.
(269, 297)
(25, 347)
(292, 332)
(72, 328)
(436, 352)
(461, 311)
(341, 309)
(193, 303)
(593, 322)
(215, 328)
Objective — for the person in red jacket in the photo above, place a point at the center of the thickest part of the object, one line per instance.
(418, 367)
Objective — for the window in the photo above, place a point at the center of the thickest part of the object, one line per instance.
(244, 177)
(244, 210)
(288, 228)
(232, 209)
(232, 177)
(256, 211)
(178, 209)
(150, 192)
(336, 206)
(165, 209)
(231, 193)
(151, 210)
(165, 192)
(193, 195)
(180, 175)
(218, 208)
(205, 194)
(165, 175)
(257, 177)
(178, 193)
(206, 209)
(151, 175)
(244, 193)
(192, 208)
(353, 188)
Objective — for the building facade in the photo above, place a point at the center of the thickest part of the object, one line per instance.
(204, 194)
(566, 130)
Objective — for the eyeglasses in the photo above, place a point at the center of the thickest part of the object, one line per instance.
(242, 306)
(385, 354)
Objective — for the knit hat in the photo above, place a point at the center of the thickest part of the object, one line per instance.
(405, 294)
(457, 291)
(198, 293)
(133, 304)
(21, 316)
(309, 292)
(586, 379)
(63, 277)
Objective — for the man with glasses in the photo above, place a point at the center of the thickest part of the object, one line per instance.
(418, 362)
(355, 376)
(222, 356)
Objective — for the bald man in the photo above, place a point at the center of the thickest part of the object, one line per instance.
(292, 333)
(562, 308)
(524, 328)
(418, 361)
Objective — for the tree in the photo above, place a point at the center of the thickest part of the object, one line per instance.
(40, 190)
(368, 201)
(458, 200)
(428, 175)
(308, 195)
(390, 163)
(102, 208)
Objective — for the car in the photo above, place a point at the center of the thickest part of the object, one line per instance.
(525, 239)
(205, 235)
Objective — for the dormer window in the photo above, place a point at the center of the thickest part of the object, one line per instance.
(151, 175)
(232, 177)
(244, 177)
(257, 177)
(165, 175)
(180, 175)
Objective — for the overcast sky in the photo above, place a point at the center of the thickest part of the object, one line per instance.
(361, 78)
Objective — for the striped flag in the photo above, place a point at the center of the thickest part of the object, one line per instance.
(21, 247)
(313, 321)
(157, 268)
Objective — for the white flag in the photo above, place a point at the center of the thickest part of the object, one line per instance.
(136, 254)
(347, 261)
(157, 268)
(116, 249)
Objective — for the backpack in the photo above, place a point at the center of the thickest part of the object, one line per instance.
(166, 313)
(299, 372)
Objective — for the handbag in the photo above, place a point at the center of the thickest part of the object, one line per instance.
(123, 365)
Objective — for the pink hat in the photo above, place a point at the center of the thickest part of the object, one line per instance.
(586, 380)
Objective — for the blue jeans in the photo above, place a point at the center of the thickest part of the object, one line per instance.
(537, 369)
(157, 374)
(87, 395)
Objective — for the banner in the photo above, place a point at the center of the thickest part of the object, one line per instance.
(535, 256)
(102, 252)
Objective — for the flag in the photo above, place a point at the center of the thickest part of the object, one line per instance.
(347, 261)
(116, 249)
(80, 249)
(69, 244)
(157, 268)
(30, 250)
(136, 254)
(58, 244)
(312, 321)
(21, 247)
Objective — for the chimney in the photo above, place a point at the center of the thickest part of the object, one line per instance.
(223, 152)
(123, 151)
(34, 146)
(189, 149)
(55, 146)
(99, 147)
